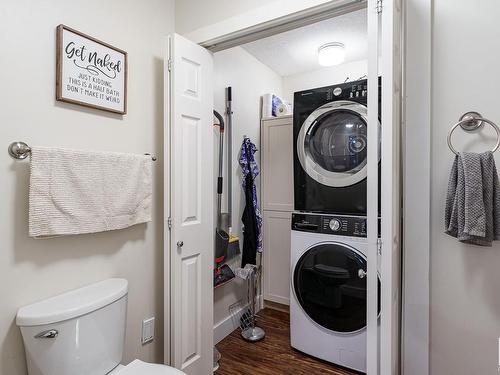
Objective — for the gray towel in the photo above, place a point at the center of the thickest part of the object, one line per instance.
(472, 212)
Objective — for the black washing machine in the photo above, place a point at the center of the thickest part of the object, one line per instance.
(330, 148)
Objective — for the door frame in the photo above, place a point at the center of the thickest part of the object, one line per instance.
(416, 143)
(416, 28)
(226, 36)
(167, 194)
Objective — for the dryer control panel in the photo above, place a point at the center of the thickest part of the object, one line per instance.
(352, 226)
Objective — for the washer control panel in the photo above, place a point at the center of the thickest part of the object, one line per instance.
(352, 226)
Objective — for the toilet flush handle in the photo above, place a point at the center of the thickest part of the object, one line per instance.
(49, 334)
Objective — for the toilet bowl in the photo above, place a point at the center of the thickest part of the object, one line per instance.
(81, 332)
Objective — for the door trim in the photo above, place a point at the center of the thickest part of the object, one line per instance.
(281, 24)
(417, 97)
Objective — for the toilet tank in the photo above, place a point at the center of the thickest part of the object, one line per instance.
(80, 332)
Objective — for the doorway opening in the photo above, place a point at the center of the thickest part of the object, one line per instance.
(320, 140)
(269, 77)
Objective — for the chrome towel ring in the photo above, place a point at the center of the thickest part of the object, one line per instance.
(469, 122)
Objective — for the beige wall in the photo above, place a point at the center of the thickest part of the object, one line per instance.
(31, 270)
(465, 280)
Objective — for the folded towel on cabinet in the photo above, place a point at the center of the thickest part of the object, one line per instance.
(472, 212)
(74, 192)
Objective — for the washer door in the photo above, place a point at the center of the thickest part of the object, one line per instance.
(330, 285)
(331, 144)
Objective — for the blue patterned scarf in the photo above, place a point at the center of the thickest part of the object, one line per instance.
(249, 165)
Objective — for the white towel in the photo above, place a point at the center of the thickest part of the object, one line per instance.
(74, 192)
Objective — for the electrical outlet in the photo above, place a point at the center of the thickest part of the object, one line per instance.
(148, 330)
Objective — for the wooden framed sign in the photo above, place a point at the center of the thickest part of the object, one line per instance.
(90, 72)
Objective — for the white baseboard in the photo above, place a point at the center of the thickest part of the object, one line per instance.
(226, 326)
(278, 299)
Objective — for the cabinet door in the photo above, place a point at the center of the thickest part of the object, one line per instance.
(276, 265)
(277, 164)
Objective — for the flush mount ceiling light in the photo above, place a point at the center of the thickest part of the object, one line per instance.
(330, 54)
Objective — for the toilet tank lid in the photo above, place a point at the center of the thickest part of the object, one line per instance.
(73, 303)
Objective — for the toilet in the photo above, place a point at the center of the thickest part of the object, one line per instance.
(81, 332)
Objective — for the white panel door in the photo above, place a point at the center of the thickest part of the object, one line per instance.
(191, 205)
(384, 59)
(372, 339)
(390, 262)
(276, 265)
(277, 164)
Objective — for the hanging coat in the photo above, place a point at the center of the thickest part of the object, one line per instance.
(251, 218)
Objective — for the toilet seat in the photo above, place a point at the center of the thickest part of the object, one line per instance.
(138, 367)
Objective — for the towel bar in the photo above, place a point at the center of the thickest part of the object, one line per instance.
(469, 122)
(20, 151)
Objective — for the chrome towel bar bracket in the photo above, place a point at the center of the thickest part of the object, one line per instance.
(20, 151)
(470, 122)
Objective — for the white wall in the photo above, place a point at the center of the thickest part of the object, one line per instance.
(31, 270)
(201, 20)
(323, 77)
(194, 14)
(249, 79)
(465, 280)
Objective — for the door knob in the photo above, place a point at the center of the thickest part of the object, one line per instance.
(180, 243)
(361, 274)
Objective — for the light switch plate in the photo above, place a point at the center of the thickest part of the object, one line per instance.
(148, 330)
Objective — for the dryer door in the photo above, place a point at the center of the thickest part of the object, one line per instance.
(331, 145)
(330, 286)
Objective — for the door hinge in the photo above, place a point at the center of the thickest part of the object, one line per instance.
(379, 246)
(169, 65)
(379, 6)
(169, 223)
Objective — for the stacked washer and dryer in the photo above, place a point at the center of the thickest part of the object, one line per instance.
(328, 245)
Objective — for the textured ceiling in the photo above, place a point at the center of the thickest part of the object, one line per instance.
(296, 51)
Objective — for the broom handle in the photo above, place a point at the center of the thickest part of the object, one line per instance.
(229, 113)
(219, 177)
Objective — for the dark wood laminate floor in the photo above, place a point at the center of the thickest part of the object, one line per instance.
(271, 356)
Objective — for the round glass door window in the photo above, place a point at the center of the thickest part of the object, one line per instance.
(332, 144)
(329, 282)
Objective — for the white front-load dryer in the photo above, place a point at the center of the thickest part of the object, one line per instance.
(328, 288)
